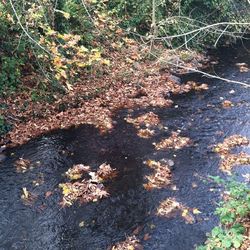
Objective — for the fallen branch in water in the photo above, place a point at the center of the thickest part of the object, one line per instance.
(200, 72)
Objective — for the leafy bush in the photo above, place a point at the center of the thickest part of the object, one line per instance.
(10, 72)
(179, 17)
(63, 38)
(232, 211)
(58, 37)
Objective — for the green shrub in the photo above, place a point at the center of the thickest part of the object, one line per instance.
(9, 72)
(231, 212)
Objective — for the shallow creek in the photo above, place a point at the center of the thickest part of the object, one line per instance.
(199, 116)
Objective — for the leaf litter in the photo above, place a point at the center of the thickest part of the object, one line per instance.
(131, 243)
(229, 160)
(170, 208)
(86, 190)
(175, 141)
(93, 100)
(161, 176)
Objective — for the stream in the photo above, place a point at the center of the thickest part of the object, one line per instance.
(197, 115)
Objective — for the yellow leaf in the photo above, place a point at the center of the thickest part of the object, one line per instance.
(65, 189)
(63, 73)
(66, 15)
(184, 212)
(50, 32)
(82, 65)
(131, 248)
(81, 224)
(83, 49)
(196, 211)
(25, 193)
(105, 62)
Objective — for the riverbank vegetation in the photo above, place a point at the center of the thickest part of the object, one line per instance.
(52, 51)
(73, 62)
(233, 212)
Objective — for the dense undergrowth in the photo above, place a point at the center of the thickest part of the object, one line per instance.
(51, 43)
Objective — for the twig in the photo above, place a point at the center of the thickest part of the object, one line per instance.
(217, 40)
(201, 29)
(90, 17)
(25, 31)
(202, 72)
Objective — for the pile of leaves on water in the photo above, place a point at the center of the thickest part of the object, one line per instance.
(77, 171)
(148, 120)
(231, 142)
(145, 133)
(175, 141)
(232, 160)
(131, 243)
(190, 85)
(170, 207)
(87, 189)
(23, 165)
(229, 160)
(161, 176)
(145, 124)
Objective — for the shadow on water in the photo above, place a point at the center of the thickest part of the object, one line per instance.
(46, 225)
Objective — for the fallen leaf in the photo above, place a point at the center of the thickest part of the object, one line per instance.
(48, 194)
(146, 236)
(196, 211)
(82, 224)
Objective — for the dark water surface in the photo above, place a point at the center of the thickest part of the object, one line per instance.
(46, 225)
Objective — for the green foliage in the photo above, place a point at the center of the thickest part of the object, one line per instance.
(4, 128)
(10, 72)
(179, 17)
(58, 37)
(231, 212)
(74, 32)
(133, 14)
(221, 239)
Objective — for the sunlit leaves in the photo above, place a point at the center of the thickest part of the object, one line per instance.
(160, 177)
(148, 119)
(229, 160)
(170, 207)
(22, 165)
(90, 188)
(77, 171)
(175, 141)
(131, 243)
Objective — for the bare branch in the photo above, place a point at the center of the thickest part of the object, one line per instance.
(203, 28)
(25, 31)
(202, 72)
